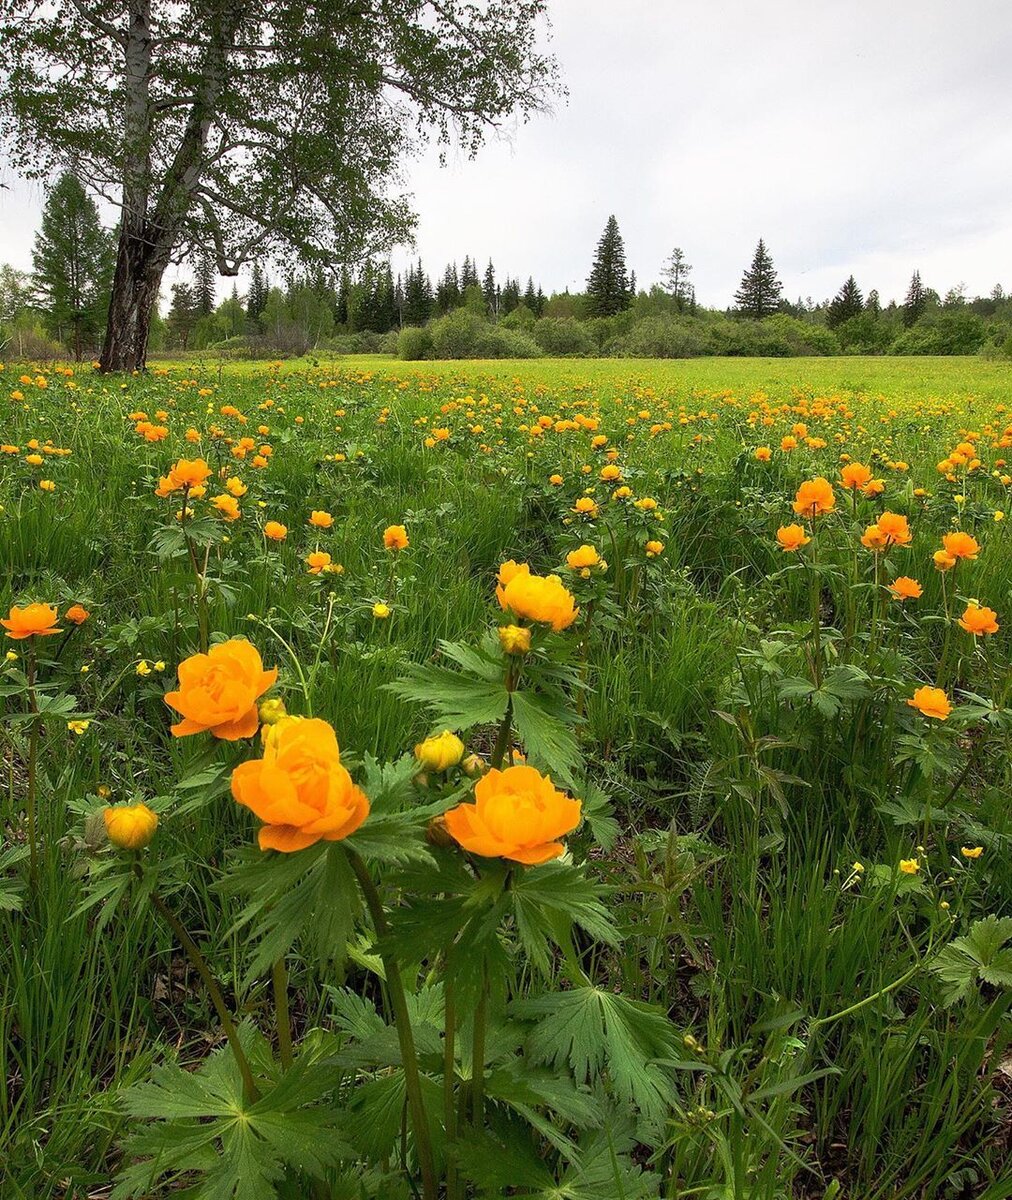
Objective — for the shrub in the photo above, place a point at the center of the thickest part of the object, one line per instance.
(943, 333)
(563, 338)
(662, 337)
(414, 343)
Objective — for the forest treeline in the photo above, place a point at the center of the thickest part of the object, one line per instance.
(471, 311)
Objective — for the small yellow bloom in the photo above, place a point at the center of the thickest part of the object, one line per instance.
(380, 610)
(78, 727)
(440, 752)
(971, 851)
(909, 866)
(143, 667)
(514, 639)
(271, 711)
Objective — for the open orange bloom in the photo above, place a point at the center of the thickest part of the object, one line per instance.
(814, 497)
(218, 691)
(855, 477)
(792, 537)
(300, 788)
(395, 537)
(895, 529)
(317, 562)
(228, 506)
(34, 620)
(190, 472)
(931, 702)
(961, 545)
(586, 556)
(321, 519)
(77, 614)
(905, 588)
(517, 814)
(874, 539)
(539, 598)
(943, 561)
(977, 620)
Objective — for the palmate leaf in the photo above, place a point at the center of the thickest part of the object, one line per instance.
(456, 700)
(547, 738)
(552, 892)
(981, 956)
(309, 893)
(594, 1032)
(202, 1123)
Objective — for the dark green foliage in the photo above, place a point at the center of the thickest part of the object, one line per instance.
(915, 302)
(847, 303)
(760, 292)
(608, 287)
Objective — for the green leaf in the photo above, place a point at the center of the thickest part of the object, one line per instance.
(978, 957)
(456, 701)
(542, 895)
(548, 739)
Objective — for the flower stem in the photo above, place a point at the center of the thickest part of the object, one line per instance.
(33, 768)
(502, 741)
(402, 1021)
(478, 1054)
(279, 979)
(250, 1088)
(449, 1073)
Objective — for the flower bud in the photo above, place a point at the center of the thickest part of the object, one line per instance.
(473, 766)
(514, 639)
(441, 752)
(271, 711)
(130, 826)
(436, 833)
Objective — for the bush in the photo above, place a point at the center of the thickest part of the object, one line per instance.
(414, 343)
(943, 333)
(563, 338)
(662, 337)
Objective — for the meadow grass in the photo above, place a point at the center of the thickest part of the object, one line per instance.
(744, 788)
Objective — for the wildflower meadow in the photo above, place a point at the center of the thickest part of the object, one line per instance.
(560, 779)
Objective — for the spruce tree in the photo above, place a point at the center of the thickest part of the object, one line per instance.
(531, 296)
(608, 290)
(490, 292)
(510, 298)
(73, 261)
(418, 299)
(256, 299)
(848, 302)
(205, 273)
(468, 274)
(760, 291)
(183, 314)
(675, 274)
(916, 300)
(448, 291)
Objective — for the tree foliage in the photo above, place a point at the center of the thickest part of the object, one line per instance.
(608, 288)
(760, 292)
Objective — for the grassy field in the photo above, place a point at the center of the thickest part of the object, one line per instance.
(806, 876)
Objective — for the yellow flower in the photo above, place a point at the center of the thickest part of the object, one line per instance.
(78, 727)
(971, 851)
(585, 556)
(380, 610)
(271, 711)
(514, 639)
(909, 866)
(47, 485)
(143, 667)
(440, 752)
(130, 826)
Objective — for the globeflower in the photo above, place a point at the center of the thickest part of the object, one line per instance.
(300, 789)
(440, 752)
(541, 599)
(395, 537)
(931, 702)
(218, 691)
(961, 545)
(905, 588)
(130, 826)
(514, 639)
(275, 531)
(190, 472)
(228, 506)
(977, 620)
(317, 562)
(77, 614)
(855, 477)
(654, 548)
(895, 529)
(321, 519)
(763, 454)
(517, 814)
(792, 537)
(586, 556)
(34, 620)
(814, 497)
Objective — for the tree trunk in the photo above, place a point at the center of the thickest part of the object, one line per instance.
(135, 287)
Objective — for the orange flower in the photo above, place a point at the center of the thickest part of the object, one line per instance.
(190, 472)
(792, 537)
(77, 614)
(317, 562)
(874, 487)
(538, 598)
(507, 572)
(218, 691)
(275, 531)
(961, 545)
(322, 520)
(977, 620)
(517, 814)
(943, 561)
(586, 556)
(228, 506)
(874, 539)
(814, 497)
(763, 454)
(395, 537)
(654, 548)
(299, 788)
(931, 702)
(894, 528)
(586, 506)
(905, 588)
(129, 826)
(31, 621)
(854, 477)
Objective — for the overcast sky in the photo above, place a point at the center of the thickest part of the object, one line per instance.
(873, 136)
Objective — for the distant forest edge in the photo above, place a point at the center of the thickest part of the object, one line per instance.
(59, 308)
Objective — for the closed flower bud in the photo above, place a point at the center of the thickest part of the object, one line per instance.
(271, 711)
(441, 752)
(130, 826)
(514, 639)
(473, 766)
(436, 833)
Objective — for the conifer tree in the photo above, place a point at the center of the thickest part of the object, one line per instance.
(205, 274)
(73, 259)
(675, 275)
(468, 274)
(530, 295)
(256, 300)
(448, 291)
(510, 298)
(916, 300)
(608, 289)
(759, 294)
(418, 299)
(183, 314)
(848, 302)
(490, 292)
